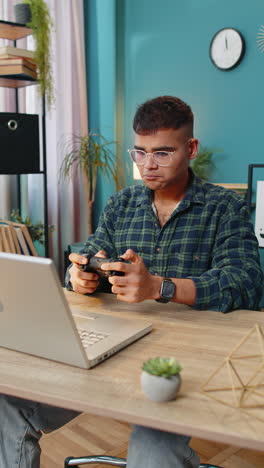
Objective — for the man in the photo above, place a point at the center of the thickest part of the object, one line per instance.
(196, 234)
(187, 241)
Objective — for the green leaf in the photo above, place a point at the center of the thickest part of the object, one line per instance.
(36, 230)
(163, 367)
(41, 25)
(203, 165)
(88, 154)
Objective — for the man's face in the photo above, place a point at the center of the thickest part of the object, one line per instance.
(176, 174)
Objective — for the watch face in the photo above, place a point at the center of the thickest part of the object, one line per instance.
(227, 48)
(168, 289)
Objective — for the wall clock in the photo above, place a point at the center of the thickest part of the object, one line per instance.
(227, 48)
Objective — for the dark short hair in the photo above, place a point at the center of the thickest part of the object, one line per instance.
(162, 112)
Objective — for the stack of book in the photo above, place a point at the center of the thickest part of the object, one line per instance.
(15, 238)
(17, 64)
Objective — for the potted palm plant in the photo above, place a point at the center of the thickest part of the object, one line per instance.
(89, 155)
(160, 378)
(203, 165)
(38, 18)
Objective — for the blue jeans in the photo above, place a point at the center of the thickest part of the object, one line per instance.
(23, 421)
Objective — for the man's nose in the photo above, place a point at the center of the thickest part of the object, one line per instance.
(150, 161)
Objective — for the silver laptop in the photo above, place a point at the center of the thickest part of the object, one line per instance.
(35, 317)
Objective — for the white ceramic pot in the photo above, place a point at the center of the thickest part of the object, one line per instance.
(158, 388)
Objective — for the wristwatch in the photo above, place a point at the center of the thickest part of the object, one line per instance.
(167, 290)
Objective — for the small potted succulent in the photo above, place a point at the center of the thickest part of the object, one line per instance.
(160, 378)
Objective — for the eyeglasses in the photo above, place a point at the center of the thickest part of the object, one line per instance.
(161, 158)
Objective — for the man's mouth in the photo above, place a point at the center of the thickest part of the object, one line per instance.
(150, 176)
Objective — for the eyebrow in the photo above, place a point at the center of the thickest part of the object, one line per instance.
(158, 148)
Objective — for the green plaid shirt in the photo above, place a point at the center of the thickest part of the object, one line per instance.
(208, 238)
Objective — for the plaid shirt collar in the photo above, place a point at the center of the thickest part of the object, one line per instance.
(194, 194)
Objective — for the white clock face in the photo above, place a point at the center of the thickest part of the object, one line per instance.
(227, 48)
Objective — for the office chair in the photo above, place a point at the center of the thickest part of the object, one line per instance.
(105, 460)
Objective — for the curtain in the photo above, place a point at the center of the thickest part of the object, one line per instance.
(66, 199)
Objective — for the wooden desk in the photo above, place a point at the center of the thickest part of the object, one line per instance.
(199, 340)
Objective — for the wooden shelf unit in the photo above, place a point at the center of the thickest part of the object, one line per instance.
(14, 31)
(12, 82)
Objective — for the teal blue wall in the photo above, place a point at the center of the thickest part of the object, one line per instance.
(100, 32)
(138, 49)
(167, 44)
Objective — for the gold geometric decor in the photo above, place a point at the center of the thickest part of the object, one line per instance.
(239, 380)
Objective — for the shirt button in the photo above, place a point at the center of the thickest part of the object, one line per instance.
(158, 249)
(156, 274)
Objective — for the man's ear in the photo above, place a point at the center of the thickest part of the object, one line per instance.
(193, 148)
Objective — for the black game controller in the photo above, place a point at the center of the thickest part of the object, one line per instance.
(94, 266)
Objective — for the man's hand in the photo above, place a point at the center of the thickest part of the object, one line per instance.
(137, 284)
(83, 282)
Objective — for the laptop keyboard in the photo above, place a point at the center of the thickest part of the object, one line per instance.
(89, 338)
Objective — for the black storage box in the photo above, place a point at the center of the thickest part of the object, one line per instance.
(19, 143)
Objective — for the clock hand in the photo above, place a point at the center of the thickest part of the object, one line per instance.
(226, 43)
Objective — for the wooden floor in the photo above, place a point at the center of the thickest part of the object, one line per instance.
(90, 435)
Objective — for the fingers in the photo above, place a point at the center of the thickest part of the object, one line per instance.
(126, 298)
(77, 260)
(115, 266)
(84, 285)
(76, 273)
(129, 298)
(124, 289)
(117, 280)
(118, 288)
(84, 289)
(121, 292)
(81, 260)
(129, 255)
(101, 254)
(82, 282)
(89, 283)
(86, 276)
(132, 256)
